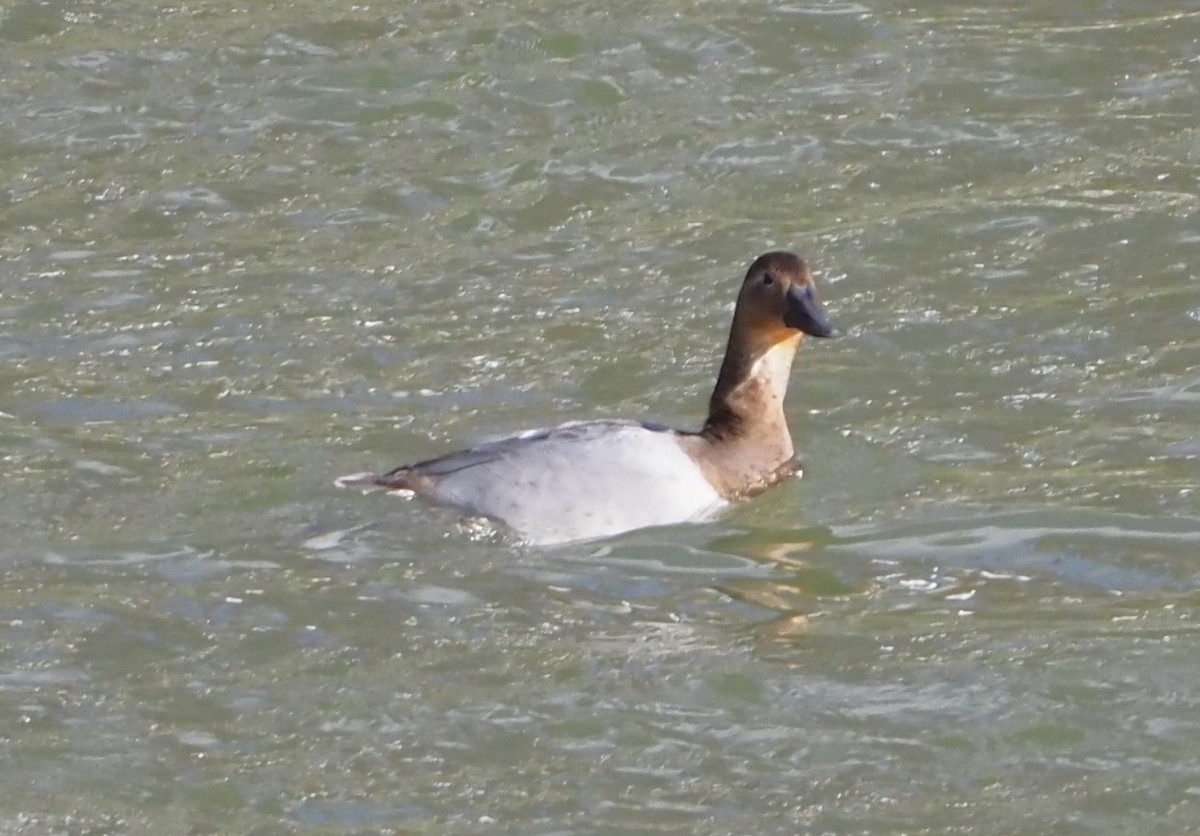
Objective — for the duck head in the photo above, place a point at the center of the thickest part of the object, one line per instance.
(776, 308)
(777, 302)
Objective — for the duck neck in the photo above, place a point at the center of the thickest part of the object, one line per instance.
(746, 426)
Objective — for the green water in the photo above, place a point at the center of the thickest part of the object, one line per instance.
(246, 249)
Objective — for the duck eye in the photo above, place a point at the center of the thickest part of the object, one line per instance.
(768, 279)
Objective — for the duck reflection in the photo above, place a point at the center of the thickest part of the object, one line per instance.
(798, 594)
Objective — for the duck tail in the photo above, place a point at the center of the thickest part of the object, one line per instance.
(396, 481)
(365, 482)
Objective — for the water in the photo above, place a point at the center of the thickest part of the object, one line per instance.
(247, 249)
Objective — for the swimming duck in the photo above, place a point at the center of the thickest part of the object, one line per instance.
(591, 479)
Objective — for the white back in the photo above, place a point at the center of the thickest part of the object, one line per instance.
(578, 481)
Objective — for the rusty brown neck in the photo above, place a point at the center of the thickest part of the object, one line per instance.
(746, 446)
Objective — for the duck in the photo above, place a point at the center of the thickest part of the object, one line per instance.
(585, 480)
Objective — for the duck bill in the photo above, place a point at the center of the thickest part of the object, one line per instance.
(804, 314)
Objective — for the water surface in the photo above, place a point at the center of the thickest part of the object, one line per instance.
(247, 249)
